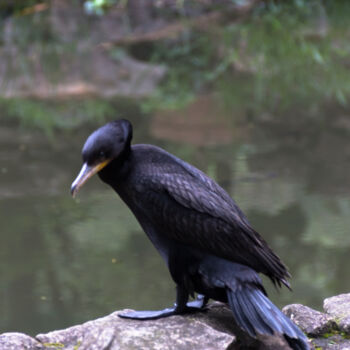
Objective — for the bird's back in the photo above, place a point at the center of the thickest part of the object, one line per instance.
(182, 204)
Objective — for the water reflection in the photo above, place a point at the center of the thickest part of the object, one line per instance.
(64, 262)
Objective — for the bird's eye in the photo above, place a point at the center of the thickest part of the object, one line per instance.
(102, 154)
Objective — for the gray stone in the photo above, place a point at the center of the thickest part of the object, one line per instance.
(213, 329)
(112, 333)
(344, 325)
(18, 341)
(335, 342)
(311, 322)
(210, 330)
(339, 308)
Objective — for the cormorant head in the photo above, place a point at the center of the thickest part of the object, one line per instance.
(102, 146)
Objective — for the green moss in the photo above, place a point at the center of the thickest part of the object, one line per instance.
(56, 346)
(77, 346)
(327, 335)
(335, 332)
(344, 335)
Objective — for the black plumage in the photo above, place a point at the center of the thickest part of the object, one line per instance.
(204, 238)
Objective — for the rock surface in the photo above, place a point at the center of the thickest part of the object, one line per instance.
(329, 330)
(211, 330)
(339, 308)
(18, 341)
(111, 332)
(312, 322)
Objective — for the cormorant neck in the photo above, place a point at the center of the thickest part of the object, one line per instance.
(118, 169)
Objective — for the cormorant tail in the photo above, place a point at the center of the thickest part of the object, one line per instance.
(256, 314)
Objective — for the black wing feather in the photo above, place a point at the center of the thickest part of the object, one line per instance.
(202, 214)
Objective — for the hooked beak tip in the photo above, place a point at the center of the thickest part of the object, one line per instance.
(73, 190)
(85, 173)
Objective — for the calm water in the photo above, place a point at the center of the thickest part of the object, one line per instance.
(65, 261)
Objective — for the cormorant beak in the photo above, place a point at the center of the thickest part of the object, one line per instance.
(85, 173)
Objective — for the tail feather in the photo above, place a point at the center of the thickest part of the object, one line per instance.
(289, 328)
(240, 315)
(280, 322)
(270, 323)
(252, 309)
(260, 324)
(256, 314)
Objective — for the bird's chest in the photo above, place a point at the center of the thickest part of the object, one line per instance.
(145, 207)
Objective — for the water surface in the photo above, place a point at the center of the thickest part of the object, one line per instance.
(66, 261)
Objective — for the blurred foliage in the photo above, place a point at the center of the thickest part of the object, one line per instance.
(286, 53)
(297, 55)
(16, 7)
(64, 114)
(188, 60)
(51, 115)
(99, 7)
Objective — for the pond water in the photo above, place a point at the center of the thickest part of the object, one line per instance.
(66, 261)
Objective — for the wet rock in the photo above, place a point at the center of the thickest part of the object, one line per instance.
(312, 322)
(339, 308)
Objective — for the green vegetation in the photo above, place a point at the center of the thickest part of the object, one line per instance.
(190, 62)
(296, 59)
(284, 55)
(334, 337)
(64, 114)
(98, 7)
(56, 114)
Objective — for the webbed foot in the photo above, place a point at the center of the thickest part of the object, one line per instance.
(191, 306)
(147, 315)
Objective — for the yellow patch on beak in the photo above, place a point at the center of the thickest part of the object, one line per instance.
(85, 173)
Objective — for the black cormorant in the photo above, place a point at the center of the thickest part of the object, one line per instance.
(204, 238)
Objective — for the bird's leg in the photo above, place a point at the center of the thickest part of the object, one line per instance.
(186, 306)
(199, 303)
(181, 307)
